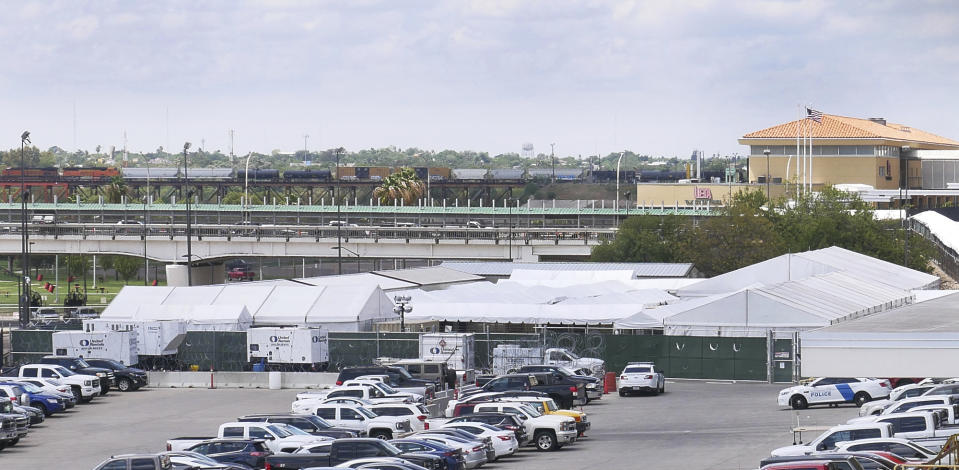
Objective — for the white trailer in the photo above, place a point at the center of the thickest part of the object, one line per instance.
(154, 337)
(117, 345)
(290, 345)
(457, 350)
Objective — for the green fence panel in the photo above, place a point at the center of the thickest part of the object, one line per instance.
(685, 356)
(783, 360)
(715, 368)
(31, 341)
(622, 349)
(750, 358)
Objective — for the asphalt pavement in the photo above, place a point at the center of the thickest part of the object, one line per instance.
(695, 424)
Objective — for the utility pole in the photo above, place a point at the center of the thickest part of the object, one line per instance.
(552, 160)
(24, 237)
(339, 222)
(189, 194)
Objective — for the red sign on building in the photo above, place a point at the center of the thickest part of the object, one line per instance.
(703, 193)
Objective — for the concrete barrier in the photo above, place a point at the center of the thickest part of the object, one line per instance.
(297, 380)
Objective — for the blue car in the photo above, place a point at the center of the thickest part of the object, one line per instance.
(45, 402)
(453, 457)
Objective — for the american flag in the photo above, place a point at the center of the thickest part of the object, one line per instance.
(814, 115)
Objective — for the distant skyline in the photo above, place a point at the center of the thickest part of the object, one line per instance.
(654, 77)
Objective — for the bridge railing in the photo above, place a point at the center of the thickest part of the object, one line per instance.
(289, 232)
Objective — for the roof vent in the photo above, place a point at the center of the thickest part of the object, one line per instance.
(878, 120)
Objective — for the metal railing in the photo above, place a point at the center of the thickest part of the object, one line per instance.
(200, 232)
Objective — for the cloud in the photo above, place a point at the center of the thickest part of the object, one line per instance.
(82, 27)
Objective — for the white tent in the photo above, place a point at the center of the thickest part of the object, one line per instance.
(338, 308)
(798, 266)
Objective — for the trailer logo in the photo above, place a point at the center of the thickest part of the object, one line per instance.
(317, 339)
(279, 339)
(84, 342)
(434, 350)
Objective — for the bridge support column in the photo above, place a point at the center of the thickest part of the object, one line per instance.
(203, 275)
(524, 254)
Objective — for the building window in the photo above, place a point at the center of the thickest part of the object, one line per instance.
(882, 171)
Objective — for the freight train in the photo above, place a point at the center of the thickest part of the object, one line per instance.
(94, 175)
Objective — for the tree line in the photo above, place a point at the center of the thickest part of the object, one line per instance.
(750, 230)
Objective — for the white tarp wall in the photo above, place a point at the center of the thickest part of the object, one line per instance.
(199, 317)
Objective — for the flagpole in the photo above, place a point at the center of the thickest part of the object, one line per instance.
(809, 159)
(811, 155)
(798, 129)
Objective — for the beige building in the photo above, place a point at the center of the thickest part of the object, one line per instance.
(845, 150)
(703, 195)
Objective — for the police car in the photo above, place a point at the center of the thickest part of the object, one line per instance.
(833, 391)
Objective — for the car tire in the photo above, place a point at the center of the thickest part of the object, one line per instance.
(623, 392)
(77, 394)
(662, 388)
(125, 385)
(798, 402)
(46, 411)
(15, 441)
(861, 398)
(545, 441)
(384, 435)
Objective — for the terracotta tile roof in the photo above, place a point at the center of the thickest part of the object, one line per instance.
(843, 127)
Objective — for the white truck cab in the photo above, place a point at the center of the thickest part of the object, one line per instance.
(361, 419)
(828, 439)
(550, 432)
(84, 387)
(276, 437)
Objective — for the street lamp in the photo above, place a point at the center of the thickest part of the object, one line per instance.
(246, 184)
(339, 222)
(766, 153)
(189, 247)
(146, 223)
(357, 255)
(552, 160)
(402, 308)
(24, 257)
(618, 161)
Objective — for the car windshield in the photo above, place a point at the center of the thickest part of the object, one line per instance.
(63, 371)
(551, 405)
(365, 412)
(319, 422)
(572, 354)
(391, 449)
(82, 363)
(30, 387)
(293, 429)
(111, 363)
(279, 431)
(531, 411)
(536, 405)
(636, 370)
(403, 372)
(566, 370)
(386, 388)
(489, 427)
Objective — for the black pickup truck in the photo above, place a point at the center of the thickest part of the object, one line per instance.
(566, 391)
(79, 366)
(331, 454)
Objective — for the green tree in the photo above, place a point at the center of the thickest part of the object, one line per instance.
(127, 267)
(117, 190)
(77, 265)
(646, 239)
(401, 185)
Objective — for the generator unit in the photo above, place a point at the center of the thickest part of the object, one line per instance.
(117, 345)
(288, 345)
(457, 350)
(153, 337)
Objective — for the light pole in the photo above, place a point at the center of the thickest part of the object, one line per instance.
(24, 237)
(146, 224)
(618, 161)
(402, 308)
(246, 184)
(552, 160)
(766, 153)
(339, 223)
(343, 248)
(189, 194)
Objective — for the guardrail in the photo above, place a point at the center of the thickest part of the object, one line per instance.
(291, 232)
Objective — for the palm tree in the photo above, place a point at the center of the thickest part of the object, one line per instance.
(117, 190)
(402, 185)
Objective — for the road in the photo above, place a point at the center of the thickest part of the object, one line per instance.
(711, 425)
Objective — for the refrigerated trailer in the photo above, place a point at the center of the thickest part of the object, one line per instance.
(117, 345)
(457, 350)
(288, 345)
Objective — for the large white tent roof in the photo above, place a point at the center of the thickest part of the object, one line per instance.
(507, 302)
(798, 266)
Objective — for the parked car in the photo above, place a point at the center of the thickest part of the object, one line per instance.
(400, 379)
(416, 414)
(567, 392)
(906, 391)
(276, 437)
(186, 460)
(342, 451)
(833, 390)
(437, 372)
(251, 452)
(84, 313)
(504, 442)
(907, 404)
(48, 403)
(455, 460)
(828, 439)
(126, 378)
(899, 446)
(52, 386)
(310, 424)
(136, 462)
(84, 387)
(46, 314)
(594, 385)
(548, 407)
(549, 432)
(641, 377)
(474, 452)
(506, 421)
(361, 420)
(80, 366)
(484, 396)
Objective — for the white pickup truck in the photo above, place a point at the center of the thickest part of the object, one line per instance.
(360, 419)
(899, 393)
(905, 405)
(922, 427)
(828, 439)
(277, 437)
(550, 432)
(84, 387)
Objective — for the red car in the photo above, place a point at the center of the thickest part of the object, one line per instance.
(241, 274)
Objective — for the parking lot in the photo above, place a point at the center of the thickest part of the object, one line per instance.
(695, 424)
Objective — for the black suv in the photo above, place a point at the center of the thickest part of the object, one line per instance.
(399, 377)
(79, 366)
(307, 423)
(127, 378)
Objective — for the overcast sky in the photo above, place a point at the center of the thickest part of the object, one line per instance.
(659, 77)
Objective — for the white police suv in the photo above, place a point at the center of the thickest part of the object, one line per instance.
(833, 391)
